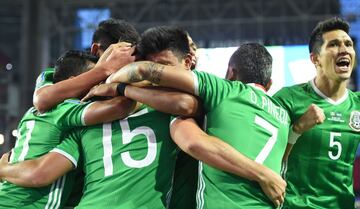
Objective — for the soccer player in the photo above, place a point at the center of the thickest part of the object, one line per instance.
(39, 133)
(240, 114)
(320, 165)
(108, 32)
(127, 163)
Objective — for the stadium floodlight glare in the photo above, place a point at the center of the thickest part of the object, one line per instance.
(2, 139)
(14, 133)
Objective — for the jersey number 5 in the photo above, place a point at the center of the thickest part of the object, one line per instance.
(334, 143)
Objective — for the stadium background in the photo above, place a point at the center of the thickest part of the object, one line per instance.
(33, 33)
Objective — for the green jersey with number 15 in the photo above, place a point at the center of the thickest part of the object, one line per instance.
(128, 163)
(251, 122)
(320, 166)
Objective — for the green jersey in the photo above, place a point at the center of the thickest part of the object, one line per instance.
(45, 78)
(128, 163)
(37, 135)
(185, 182)
(320, 166)
(251, 122)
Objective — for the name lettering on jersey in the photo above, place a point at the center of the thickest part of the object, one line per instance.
(267, 105)
(354, 121)
(336, 116)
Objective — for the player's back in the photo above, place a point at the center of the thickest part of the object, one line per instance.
(129, 163)
(37, 135)
(251, 122)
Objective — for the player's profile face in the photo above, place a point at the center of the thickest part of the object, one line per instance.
(165, 57)
(337, 55)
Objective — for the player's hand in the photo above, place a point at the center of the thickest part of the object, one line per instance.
(273, 186)
(313, 116)
(117, 55)
(102, 90)
(4, 161)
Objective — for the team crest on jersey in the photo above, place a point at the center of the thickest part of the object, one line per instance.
(355, 121)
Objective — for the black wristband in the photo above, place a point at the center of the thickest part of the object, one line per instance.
(121, 89)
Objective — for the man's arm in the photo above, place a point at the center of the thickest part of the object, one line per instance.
(215, 152)
(35, 173)
(118, 55)
(161, 99)
(167, 76)
(312, 117)
(108, 110)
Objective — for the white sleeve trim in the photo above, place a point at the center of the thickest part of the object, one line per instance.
(293, 136)
(67, 155)
(174, 119)
(83, 114)
(196, 83)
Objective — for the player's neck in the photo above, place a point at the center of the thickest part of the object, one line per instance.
(258, 86)
(332, 89)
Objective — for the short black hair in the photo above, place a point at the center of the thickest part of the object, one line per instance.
(161, 38)
(252, 63)
(316, 38)
(111, 31)
(72, 63)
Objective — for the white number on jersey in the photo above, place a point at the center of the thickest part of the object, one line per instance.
(260, 158)
(127, 136)
(25, 146)
(334, 143)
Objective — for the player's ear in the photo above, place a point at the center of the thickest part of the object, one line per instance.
(268, 85)
(230, 74)
(315, 59)
(95, 49)
(188, 61)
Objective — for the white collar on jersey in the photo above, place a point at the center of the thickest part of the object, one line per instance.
(331, 101)
(257, 86)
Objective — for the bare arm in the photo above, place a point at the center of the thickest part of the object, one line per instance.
(35, 173)
(215, 152)
(49, 96)
(161, 99)
(167, 76)
(109, 110)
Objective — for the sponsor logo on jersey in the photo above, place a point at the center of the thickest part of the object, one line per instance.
(355, 121)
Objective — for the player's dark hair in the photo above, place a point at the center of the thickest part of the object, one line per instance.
(316, 38)
(72, 63)
(252, 63)
(111, 31)
(157, 39)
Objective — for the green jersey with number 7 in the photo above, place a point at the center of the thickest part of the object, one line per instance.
(320, 166)
(245, 117)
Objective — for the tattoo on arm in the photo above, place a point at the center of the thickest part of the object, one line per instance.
(154, 72)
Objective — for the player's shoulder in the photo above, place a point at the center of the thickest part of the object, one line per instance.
(354, 95)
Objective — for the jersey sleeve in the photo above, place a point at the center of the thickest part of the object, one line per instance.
(45, 78)
(70, 147)
(285, 98)
(71, 113)
(211, 89)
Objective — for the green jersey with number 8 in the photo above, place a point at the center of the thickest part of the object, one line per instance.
(128, 163)
(251, 122)
(320, 166)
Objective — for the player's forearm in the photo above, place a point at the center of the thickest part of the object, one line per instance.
(213, 151)
(165, 100)
(47, 97)
(109, 110)
(176, 77)
(24, 174)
